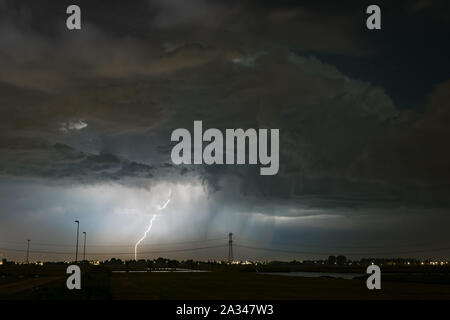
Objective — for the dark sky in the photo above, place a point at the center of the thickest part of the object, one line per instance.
(363, 118)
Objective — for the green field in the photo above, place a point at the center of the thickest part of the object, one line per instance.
(100, 283)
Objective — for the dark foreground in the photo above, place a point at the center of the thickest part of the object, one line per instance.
(99, 283)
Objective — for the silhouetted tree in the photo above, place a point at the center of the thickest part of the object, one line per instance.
(331, 260)
(341, 260)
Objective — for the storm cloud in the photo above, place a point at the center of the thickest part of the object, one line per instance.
(95, 109)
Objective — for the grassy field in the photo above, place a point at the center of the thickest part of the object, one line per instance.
(100, 283)
(259, 286)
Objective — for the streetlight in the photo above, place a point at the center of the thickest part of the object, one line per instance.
(28, 249)
(84, 249)
(78, 229)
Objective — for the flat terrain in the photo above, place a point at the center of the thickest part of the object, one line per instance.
(101, 284)
(13, 287)
(259, 286)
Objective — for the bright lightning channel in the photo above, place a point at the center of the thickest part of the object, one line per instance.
(159, 208)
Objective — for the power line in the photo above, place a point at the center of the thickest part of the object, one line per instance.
(303, 244)
(118, 253)
(227, 245)
(217, 239)
(117, 245)
(250, 247)
(349, 253)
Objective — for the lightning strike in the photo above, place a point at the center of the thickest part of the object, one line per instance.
(159, 208)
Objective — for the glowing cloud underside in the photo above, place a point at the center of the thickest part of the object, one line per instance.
(159, 208)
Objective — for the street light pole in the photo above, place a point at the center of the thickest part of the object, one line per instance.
(28, 249)
(84, 248)
(78, 229)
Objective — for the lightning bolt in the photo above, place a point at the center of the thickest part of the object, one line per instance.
(159, 208)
